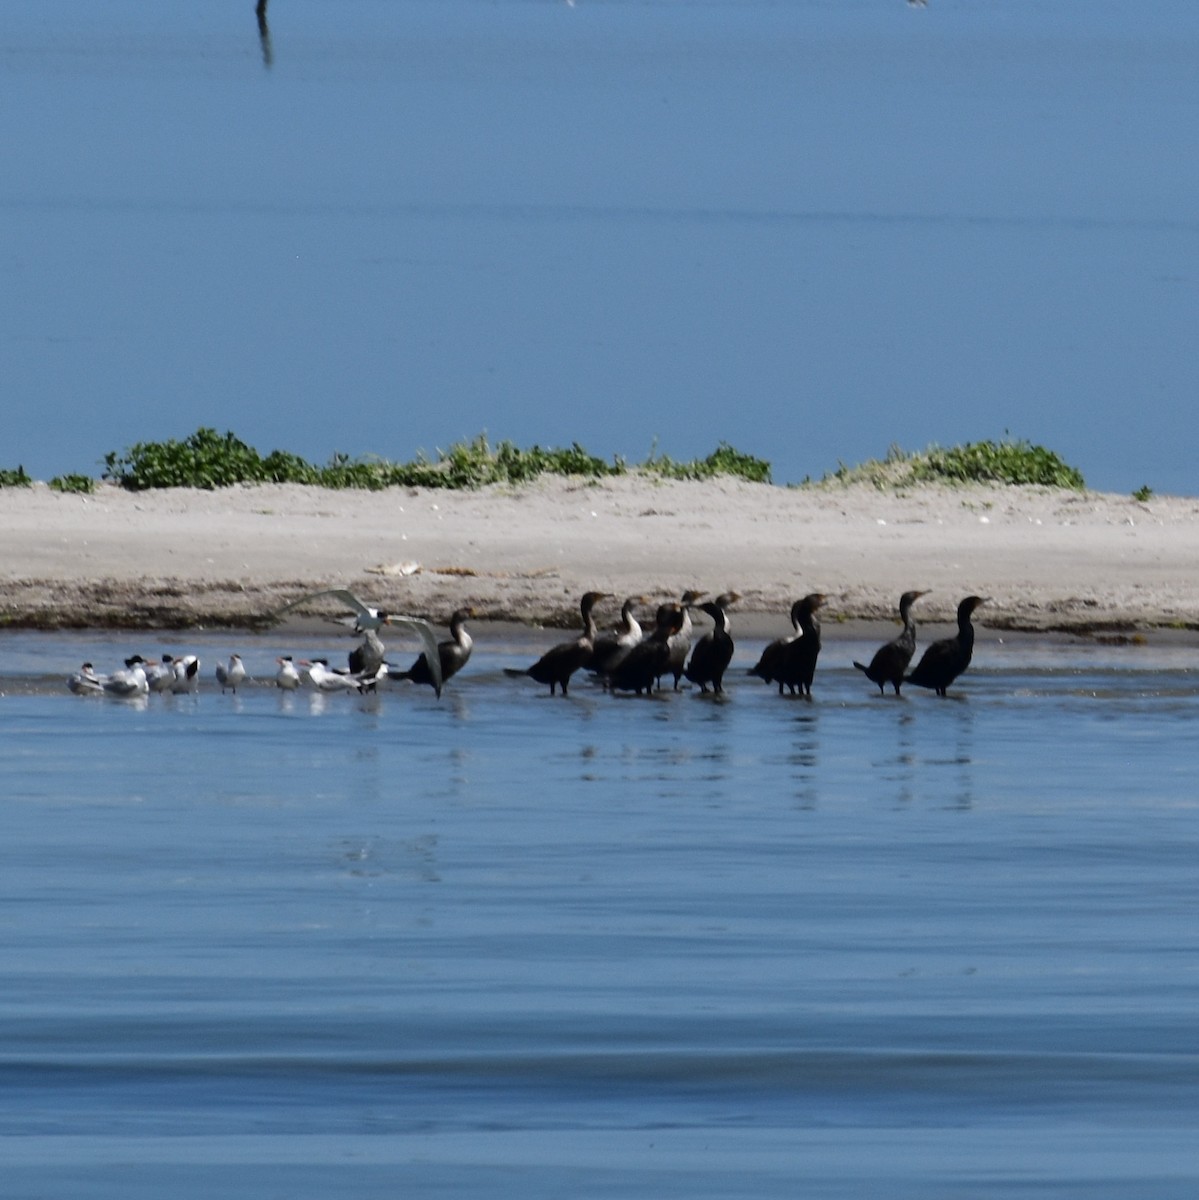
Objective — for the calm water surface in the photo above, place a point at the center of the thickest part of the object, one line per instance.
(281, 945)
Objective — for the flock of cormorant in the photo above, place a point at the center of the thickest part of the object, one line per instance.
(626, 659)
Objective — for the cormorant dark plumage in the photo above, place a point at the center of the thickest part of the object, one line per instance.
(945, 660)
(890, 661)
(649, 660)
(453, 654)
(610, 648)
(680, 640)
(714, 651)
(560, 662)
(798, 666)
(767, 667)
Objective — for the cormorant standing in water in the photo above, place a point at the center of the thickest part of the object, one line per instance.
(890, 661)
(648, 660)
(945, 660)
(798, 667)
(714, 651)
(614, 646)
(767, 667)
(560, 662)
(680, 640)
(453, 654)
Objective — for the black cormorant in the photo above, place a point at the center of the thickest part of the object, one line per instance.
(680, 640)
(890, 661)
(649, 660)
(714, 651)
(610, 648)
(453, 654)
(560, 662)
(945, 660)
(799, 658)
(767, 667)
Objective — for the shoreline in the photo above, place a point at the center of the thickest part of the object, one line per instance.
(1052, 561)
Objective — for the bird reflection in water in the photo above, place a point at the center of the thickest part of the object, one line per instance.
(902, 769)
(963, 797)
(805, 757)
(264, 33)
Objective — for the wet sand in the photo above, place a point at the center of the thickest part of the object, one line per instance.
(1050, 560)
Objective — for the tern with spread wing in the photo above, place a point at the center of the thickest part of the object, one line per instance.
(367, 619)
(364, 617)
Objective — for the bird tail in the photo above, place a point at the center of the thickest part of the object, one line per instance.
(861, 666)
(516, 671)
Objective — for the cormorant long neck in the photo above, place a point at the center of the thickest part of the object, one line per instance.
(908, 637)
(721, 618)
(965, 629)
(589, 628)
(669, 622)
(688, 599)
(809, 622)
(630, 627)
(458, 632)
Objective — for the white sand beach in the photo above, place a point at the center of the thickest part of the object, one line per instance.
(1048, 559)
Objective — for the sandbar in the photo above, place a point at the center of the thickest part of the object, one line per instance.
(1084, 563)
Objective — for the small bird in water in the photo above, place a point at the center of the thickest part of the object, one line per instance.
(317, 672)
(130, 682)
(714, 651)
(231, 675)
(560, 662)
(453, 654)
(890, 661)
(945, 660)
(85, 681)
(159, 676)
(287, 677)
(185, 674)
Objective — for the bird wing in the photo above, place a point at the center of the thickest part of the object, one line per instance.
(346, 597)
(424, 631)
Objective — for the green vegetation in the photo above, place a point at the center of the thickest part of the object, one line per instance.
(76, 484)
(208, 459)
(11, 478)
(1143, 493)
(1005, 462)
(724, 460)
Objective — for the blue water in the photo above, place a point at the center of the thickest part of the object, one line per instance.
(513, 946)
